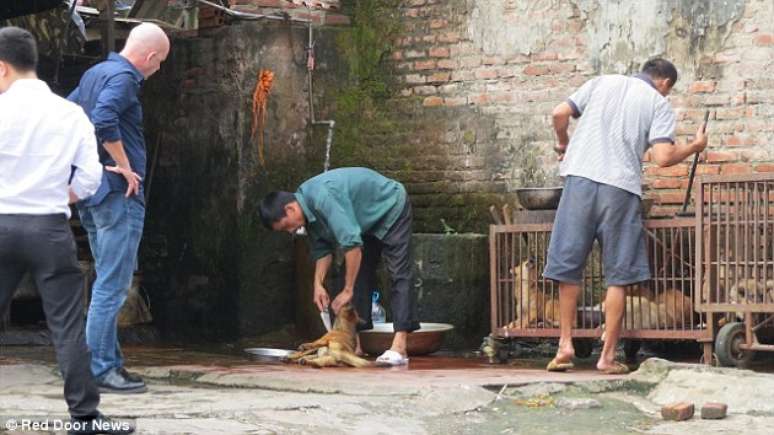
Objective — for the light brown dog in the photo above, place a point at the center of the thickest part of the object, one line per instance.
(678, 308)
(335, 348)
(534, 304)
(668, 309)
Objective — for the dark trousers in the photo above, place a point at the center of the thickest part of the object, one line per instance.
(44, 246)
(395, 247)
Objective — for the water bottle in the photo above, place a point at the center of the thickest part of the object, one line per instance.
(378, 315)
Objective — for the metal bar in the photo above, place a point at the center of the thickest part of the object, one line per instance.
(748, 332)
(755, 239)
(739, 178)
(493, 296)
(523, 228)
(596, 333)
(509, 271)
(736, 245)
(758, 347)
(699, 277)
(766, 256)
(768, 320)
(740, 308)
(669, 223)
(663, 280)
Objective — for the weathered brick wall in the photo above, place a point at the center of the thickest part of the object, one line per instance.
(478, 80)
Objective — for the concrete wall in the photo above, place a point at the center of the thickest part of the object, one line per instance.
(478, 80)
(451, 281)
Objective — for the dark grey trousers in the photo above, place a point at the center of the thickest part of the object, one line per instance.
(44, 246)
(395, 247)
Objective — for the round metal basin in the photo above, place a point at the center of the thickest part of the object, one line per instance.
(427, 339)
(268, 353)
(539, 198)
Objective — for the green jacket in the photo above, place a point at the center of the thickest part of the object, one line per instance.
(342, 205)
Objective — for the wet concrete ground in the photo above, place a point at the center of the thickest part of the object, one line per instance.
(203, 392)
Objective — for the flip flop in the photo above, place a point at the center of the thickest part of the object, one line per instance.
(616, 369)
(390, 358)
(556, 366)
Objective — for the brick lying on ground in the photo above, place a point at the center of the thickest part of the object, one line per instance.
(714, 411)
(677, 411)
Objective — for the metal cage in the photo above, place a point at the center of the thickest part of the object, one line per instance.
(526, 305)
(735, 262)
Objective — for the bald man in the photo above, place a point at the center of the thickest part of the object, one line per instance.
(114, 216)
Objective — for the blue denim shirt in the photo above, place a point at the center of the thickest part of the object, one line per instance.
(109, 94)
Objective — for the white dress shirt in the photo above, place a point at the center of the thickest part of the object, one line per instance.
(43, 137)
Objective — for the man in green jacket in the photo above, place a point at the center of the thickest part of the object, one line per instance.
(368, 216)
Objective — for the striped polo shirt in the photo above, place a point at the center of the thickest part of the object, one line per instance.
(620, 118)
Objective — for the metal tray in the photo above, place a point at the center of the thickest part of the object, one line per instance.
(268, 353)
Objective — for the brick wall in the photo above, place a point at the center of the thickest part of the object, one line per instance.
(481, 78)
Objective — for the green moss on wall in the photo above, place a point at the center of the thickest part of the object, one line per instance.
(361, 103)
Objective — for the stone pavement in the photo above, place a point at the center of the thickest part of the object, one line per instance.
(437, 395)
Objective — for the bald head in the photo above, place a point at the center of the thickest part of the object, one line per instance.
(146, 47)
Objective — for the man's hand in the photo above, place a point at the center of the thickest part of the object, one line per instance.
(560, 150)
(700, 141)
(321, 298)
(341, 299)
(132, 179)
(72, 198)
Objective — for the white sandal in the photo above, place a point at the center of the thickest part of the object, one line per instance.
(390, 358)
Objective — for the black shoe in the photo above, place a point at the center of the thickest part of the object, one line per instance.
(99, 424)
(131, 377)
(113, 382)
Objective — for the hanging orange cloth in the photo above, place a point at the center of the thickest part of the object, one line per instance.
(260, 98)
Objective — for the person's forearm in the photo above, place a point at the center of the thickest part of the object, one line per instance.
(561, 124)
(116, 151)
(678, 153)
(321, 269)
(352, 260)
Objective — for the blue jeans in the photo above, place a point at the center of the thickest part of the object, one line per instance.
(115, 228)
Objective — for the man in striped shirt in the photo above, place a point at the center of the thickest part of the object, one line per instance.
(620, 118)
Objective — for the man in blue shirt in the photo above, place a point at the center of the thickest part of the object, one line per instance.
(368, 216)
(114, 216)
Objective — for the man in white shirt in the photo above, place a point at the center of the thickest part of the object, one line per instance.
(620, 118)
(48, 159)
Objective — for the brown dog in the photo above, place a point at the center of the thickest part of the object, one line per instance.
(678, 308)
(336, 347)
(532, 300)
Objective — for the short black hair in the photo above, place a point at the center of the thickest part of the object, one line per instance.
(659, 68)
(18, 48)
(272, 207)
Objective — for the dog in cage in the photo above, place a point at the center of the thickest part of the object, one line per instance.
(534, 304)
(666, 309)
(749, 291)
(754, 291)
(678, 308)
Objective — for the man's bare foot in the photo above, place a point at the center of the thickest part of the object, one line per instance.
(612, 367)
(564, 354)
(563, 360)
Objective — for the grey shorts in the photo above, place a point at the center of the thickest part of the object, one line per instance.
(589, 210)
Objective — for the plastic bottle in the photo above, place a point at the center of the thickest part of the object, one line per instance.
(378, 315)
